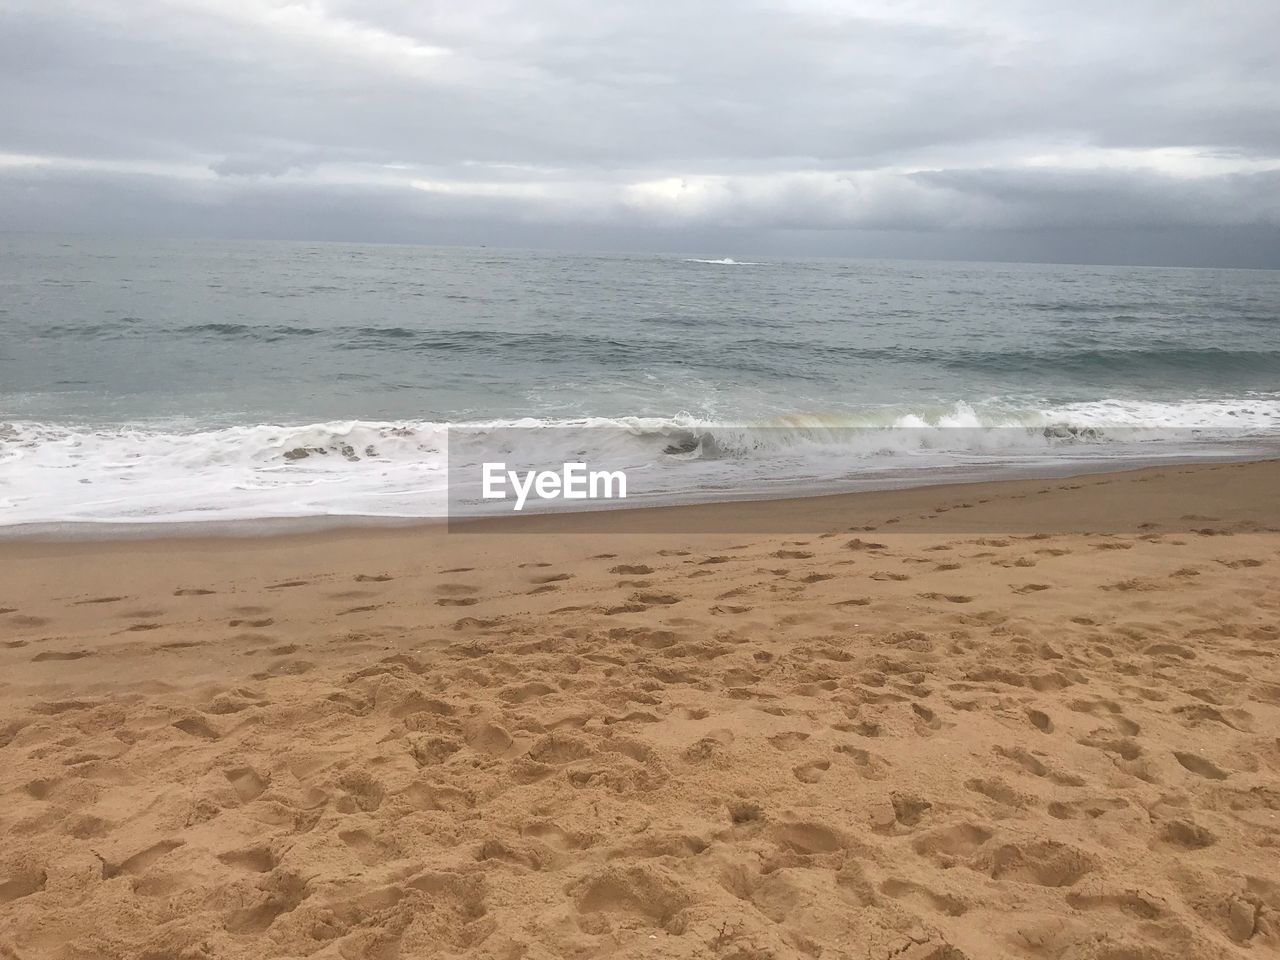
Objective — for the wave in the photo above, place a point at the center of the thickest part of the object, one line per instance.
(726, 262)
(653, 343)
(246, 331)
(1052, 359)
(143, 473)
(1112, 361)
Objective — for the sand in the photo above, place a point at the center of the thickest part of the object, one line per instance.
(1033, 719)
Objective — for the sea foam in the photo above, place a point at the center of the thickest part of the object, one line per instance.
(151, 473)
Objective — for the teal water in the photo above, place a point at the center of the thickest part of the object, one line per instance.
(148, 379)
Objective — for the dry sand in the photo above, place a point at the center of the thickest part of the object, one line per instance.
(1034, 719)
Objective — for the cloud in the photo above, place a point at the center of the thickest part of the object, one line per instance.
(770, 115)
(266, 163)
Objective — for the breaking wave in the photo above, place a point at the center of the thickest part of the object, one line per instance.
(148, 473)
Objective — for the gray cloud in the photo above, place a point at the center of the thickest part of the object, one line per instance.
(949, 128)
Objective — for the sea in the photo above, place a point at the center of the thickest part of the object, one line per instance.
(153, 381)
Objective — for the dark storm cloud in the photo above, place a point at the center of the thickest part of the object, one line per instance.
(653, 119)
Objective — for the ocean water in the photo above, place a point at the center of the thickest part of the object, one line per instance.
(195, 380)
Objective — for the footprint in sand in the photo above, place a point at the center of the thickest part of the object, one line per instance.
(1200, 766)
(197, 727)
(140, 861)
(22, 884)
(868, 764)
(61, 655)
(637, 892)
(254, 859)
(926, 716)
(28, 621)
(552, 578)
(948, 845)
(999, 791)
(807, 838)
(626, 569)
(788, 740)
(285, 668)
(1022, 562)
(1187, 834)
(1130, 902)
(1037, 768)
(1040, 720)
(145, 614)
(1046, 863)
(949, 597)
(811, 771)
(284, 893)
(1086, 809)
(656, 599)
(369, 850)
(1132, 585)
(913, 892)
(524, 692)
(456, 589)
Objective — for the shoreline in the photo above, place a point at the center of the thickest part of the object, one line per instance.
(602, 519)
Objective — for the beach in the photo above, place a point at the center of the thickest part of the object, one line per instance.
(578, 481)
(1034, 718)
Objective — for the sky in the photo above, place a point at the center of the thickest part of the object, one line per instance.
(1146, 131)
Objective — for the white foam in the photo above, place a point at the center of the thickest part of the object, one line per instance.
(53, 473)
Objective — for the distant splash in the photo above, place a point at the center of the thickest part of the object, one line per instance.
(146, 473)
(727, 262)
